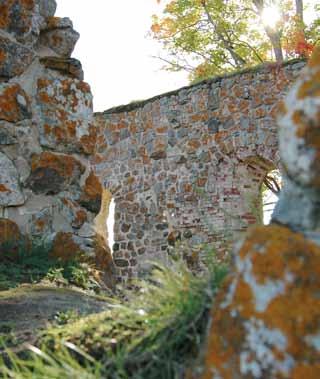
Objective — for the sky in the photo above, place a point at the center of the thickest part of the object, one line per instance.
(116, 53)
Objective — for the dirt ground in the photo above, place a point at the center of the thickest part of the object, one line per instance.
(28, 309)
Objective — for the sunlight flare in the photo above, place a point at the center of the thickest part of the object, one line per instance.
(271, 16)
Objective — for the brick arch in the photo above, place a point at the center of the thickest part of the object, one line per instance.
(174, 162)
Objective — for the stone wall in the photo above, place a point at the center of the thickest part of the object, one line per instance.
(189, 164)
(48, 189)
(185, 166)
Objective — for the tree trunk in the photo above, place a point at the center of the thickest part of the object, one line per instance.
(273, 35)
(275, 40)
(299, 9)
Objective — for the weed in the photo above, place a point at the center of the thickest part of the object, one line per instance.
(33, 264)
(63, 318)
(155, 334)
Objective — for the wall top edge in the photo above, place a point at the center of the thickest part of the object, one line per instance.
(141, 103)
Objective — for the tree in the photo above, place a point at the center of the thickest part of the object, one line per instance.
(208, 37)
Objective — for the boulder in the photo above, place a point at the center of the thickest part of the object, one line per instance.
(6, 135)
(67, 66)
(92, 194)
(17, 18)
(10, 191)
(47, 8)
(52, 173)
(265, 321)
(14, 58)
(14, 103)
(299, 120)
(65, 113)
(59, 36)
(66, 247)
(11, 240)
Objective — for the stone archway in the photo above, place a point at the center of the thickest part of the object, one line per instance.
(181, 155)
(174, 155)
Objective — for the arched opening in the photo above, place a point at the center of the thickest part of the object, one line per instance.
(270, 191)
(110, 223)
(104, 222)
(260, 189)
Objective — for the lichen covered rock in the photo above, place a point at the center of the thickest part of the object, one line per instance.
(92, 194)
(60, 36)
(47, 131)
(69, 66)
(265, 323)
(65, 113)
(14, 58)
(11, 239)
(66, 247)
(16, 17)
(10, 191)
(51, 173)
(299, 121)
(14, 103)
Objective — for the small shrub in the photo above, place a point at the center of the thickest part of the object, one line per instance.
(33, 264)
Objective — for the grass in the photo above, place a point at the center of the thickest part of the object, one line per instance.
(33, 264)
(155, 333)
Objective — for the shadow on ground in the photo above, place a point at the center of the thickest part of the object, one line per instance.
(28, 309)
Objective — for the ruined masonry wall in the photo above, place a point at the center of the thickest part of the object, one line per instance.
(183, 166)
(189, 164)
(48, 189)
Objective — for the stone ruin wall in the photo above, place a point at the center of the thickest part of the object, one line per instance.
(189, 164)
(186, 165)
(48, 189)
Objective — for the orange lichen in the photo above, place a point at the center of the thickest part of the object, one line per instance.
(274, 252)
(25, 13)
(219, 351)
(52, 22)
(40, 224)
(4, 15)
(3, 188)
(65, 248)
(304, 371)
(80, 218)
(89, 141)
(10, 239)
(93, 187)
(314, 61)
(71, 128)
(43, 83)
(311, 85)
(65, 165)
(3, 55)
(9, 107)
(45, 98)
(83, 87)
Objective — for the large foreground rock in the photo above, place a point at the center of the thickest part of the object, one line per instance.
(266, 322)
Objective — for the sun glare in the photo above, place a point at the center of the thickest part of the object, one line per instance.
(271, 16)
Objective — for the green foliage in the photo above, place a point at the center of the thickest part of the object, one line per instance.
(34, 264)
(211, 37)
(63, 318)
(156, 333)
